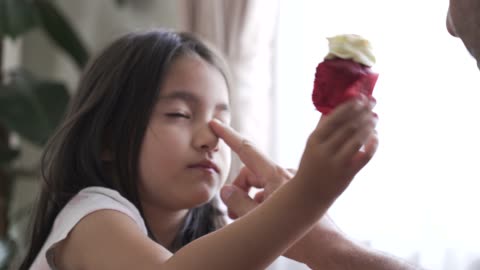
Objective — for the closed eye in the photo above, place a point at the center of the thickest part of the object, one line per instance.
(178, 115)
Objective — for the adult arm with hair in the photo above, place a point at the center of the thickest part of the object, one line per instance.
(324, 246)
(110, 240)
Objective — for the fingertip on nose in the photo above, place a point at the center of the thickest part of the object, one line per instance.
(216, 121)
(217, 126)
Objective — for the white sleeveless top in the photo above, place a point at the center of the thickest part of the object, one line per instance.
(87, 201)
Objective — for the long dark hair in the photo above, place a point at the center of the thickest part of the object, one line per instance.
(110, 111)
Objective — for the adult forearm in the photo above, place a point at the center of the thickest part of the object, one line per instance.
(366, 258)
(347, 255)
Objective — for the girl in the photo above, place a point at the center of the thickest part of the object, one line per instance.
(132, 174)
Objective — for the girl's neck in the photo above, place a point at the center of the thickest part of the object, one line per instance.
(163, 223)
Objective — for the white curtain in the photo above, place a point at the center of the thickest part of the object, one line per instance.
(419, 197)
(244, 31)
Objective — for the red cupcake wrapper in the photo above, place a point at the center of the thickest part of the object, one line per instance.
(338, 80)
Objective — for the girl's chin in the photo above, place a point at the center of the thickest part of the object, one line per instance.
(202, 196)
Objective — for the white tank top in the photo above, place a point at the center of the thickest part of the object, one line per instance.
(87, 201)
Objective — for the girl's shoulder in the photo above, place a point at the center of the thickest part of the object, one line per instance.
(87, 201)
(92, 199)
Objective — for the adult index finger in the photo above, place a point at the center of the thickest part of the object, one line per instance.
(253, 158)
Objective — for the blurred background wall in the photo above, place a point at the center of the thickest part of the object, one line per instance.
(98, 23)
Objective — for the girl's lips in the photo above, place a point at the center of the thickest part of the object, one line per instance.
(205, 164)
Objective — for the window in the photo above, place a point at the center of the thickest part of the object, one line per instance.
(419, 197)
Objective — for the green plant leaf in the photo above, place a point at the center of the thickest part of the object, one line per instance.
(31, 107)
(16, 17)
(18, 112)
(9, 247)
(121, 2)
(59, 29)
(54, 97)
(7, 154)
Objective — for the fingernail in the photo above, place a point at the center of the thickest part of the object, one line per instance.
(226, 192)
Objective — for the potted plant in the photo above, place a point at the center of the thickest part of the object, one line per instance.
(30, 106)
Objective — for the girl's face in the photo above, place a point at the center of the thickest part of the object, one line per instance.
(182, 162)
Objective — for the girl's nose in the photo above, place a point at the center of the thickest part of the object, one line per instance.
(205, 140)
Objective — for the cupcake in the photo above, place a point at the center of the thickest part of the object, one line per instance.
(345, 72)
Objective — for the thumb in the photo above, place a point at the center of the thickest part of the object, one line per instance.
(237, 200)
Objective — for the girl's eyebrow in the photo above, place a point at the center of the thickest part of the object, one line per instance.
(191, 98)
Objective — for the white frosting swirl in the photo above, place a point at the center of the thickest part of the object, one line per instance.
(352, 47)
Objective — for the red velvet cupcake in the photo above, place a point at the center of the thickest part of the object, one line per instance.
(345, 73)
